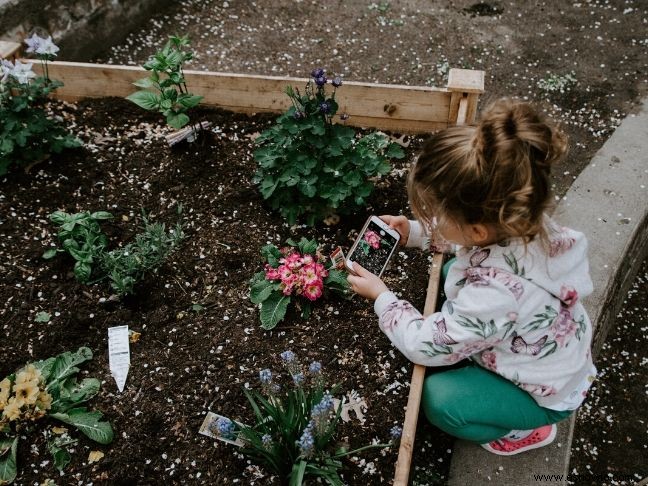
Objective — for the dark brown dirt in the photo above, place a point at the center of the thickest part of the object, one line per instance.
(185, 363)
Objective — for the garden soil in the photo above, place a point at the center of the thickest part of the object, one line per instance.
(189, 359)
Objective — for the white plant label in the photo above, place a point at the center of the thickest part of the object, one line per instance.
(209, 428)
(119, 354)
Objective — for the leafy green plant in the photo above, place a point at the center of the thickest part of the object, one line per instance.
(47, 388)
(294, 271)
(127, 265)
(27, 135)
(173, 99)
(295, 427)
(309, 166)
(557, 83)
(81, 236)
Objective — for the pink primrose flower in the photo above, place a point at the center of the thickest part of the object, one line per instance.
(373, 239)
(272, 273)
(321, 270)
(284, 272)
(313, 292)
(309, 275)
(307, 260)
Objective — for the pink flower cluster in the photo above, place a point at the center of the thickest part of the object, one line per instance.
(301, 275)
(373, 239)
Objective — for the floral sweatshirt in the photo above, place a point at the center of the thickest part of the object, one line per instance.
(514, 310)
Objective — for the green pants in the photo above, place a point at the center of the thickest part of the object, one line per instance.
(475, 404)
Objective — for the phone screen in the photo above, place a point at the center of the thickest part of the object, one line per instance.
(374, 248)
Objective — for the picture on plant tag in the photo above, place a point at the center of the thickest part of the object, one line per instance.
(374, 246)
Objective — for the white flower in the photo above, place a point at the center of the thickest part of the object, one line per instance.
(33, 43)
(23, 72)
(47, 47)
(6, 68)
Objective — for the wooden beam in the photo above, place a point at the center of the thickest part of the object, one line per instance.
(410, 109)
(404, 462)
(9, 50)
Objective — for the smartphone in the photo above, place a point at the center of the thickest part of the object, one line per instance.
(374, 246)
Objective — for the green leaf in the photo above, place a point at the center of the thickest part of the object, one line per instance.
(82, 271)
(337, 278)
(145, 99)
(197, 308)
(65, 365)
(101, 215)
(261, 291)
(42, 317)
(177, 120)
(189, 100)
(8, 464)
(89, 423)
(144, 83)
(50, 253)
(394, 151)
(72, 393)
(272, 255)
(273, 310)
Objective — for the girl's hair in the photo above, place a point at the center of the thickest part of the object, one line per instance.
(496, 172)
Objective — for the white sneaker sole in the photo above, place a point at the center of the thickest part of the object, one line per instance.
(550, 438)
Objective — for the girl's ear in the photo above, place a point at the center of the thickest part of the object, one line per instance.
(480, 234)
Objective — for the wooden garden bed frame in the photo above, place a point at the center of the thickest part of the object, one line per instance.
(398, 108)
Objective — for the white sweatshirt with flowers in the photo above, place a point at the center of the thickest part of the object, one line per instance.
(514, 310)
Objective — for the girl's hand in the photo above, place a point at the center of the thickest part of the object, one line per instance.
(400, 224)
(365, 283)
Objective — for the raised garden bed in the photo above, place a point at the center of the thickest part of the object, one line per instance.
(191, 359)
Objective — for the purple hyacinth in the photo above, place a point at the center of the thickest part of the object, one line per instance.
(265, 376)
(321, 80)
(316, 73)
(307, 442)
(315, 367)
(225, 428)
(325, 107)
(266, 440)
(337, 82)
(298, 378)
(299, 115)
(288, 356)
(395, 432)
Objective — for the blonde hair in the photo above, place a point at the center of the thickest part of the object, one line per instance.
(497, 172)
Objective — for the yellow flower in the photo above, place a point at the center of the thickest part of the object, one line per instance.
(5, 390)
(27, 391)
(44, 401)
(12, 410)
(28, 373)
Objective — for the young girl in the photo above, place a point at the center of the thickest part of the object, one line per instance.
(513, 293)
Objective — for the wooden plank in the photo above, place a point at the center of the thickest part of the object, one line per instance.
(404, 462)
(466, 80)
(364, 102)
(9, 50)
(406, 449)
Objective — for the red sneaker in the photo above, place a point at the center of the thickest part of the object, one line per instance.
(540, 437)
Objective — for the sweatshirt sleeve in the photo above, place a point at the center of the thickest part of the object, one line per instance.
(480, 317)
(418, 238)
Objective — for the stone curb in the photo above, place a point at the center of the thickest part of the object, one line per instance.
(609, 203)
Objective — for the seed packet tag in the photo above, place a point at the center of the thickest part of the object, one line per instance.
(119, 354)
(210, 429)
(337, 258)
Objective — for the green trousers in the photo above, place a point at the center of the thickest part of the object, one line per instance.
(475, 404)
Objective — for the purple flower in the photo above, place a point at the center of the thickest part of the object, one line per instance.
(298, 378)
(324, 107)
(337, 82)
(307, 442)
(33, 43)
(298, 115)
(315, 367)
(265, 376)
(266, 440)
(288, 356)
(395, 432)
(225, 428)
(320, 80)
(317, 73)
